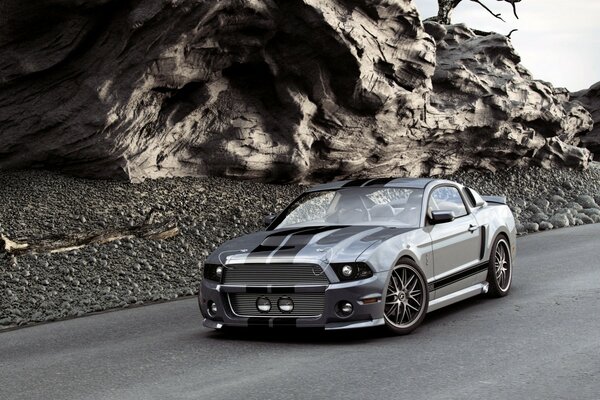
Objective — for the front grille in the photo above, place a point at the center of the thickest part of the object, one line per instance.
(274, 274)
(305, 304)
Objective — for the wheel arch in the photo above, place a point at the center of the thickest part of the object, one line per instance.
(510, 239)
(406, 257)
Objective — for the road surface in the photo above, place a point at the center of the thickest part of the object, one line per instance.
(540, 342)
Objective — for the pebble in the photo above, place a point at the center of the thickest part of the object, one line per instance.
(545, 225)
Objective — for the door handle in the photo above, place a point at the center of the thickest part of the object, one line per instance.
(473, 228)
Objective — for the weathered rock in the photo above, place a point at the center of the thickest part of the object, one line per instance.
(539, 217)
(559, 220)
(591, 211)
(587, 201)
(556, 199)
(543, 204)
(590, 98)
(585, 219)
(545, 226)
(274, 90)
(532, 227)
(574, 205)
(484, 99)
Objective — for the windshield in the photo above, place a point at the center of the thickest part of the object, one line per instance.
(355, 206)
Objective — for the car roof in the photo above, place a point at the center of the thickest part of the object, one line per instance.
(415, 183)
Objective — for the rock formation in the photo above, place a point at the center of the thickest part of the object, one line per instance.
(289, 90)
(486, 106)
(590, 98)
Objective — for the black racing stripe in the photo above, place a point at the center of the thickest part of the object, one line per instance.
(299, 241)
(449, 280)
(276, 239)
(285, 232)
(344, 233)
(258, 322)
(261, 248)
(385, 233)
(356, 182)
(379, 181)
(257, 289)
(284, 322)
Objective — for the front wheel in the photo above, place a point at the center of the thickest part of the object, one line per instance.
(500, 268)
(406, 298)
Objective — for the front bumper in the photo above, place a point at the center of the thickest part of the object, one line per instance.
(365, 314)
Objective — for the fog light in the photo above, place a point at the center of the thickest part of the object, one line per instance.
(285, 304)
(347, 271)
(263, 304)
(212, 308)
(344, 308)
(219, 271)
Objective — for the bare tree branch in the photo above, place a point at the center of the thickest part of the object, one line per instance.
(488, 10)
(72, 241)
(511, 32)
(445, 8)
(513, 3)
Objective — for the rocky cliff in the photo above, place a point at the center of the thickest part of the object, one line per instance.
(290, 90)
(590, 98)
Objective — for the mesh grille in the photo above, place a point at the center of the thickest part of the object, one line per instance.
(275, 274)
(305, 304)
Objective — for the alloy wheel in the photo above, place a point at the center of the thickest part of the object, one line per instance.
(502, 266)
(405, 297)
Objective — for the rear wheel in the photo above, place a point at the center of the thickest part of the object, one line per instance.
(500, 268)
(406, 298)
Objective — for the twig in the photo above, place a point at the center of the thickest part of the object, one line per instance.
(513, 3)
(490, 11)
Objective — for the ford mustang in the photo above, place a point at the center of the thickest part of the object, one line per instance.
(363, 253)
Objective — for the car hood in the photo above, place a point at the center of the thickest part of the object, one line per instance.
(308, 244)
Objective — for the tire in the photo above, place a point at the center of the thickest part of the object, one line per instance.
(500, 268)
(405, 298)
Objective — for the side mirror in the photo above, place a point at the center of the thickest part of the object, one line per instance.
(440, 217)
(268, 219)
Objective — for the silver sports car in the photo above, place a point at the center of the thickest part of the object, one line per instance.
(363, 253)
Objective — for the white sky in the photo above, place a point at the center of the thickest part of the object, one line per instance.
(558, 40)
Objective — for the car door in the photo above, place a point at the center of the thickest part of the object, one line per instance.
(456, 244)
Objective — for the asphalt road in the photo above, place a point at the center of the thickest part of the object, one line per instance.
(540, 342)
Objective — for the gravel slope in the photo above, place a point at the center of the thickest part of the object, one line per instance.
(45, 287)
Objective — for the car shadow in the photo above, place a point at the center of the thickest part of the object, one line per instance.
(299, 336)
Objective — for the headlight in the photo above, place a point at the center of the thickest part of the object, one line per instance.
(347, 271)
(213, 272)
(352, 271)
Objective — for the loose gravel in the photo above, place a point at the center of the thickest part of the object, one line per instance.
(47, 287)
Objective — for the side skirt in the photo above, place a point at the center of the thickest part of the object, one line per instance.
(458, 296)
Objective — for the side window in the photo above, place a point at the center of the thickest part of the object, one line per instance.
(447, 198)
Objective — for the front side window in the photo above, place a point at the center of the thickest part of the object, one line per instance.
(447, 198)
(355, 206)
